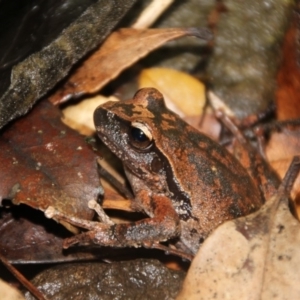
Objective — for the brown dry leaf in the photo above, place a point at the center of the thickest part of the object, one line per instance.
(281, 149)
(183, 93)
(285, 144)
(26, 236)
(48, 164)
(288, 78)
(254, 257)
(121, 49)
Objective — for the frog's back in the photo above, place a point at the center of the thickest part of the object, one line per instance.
(216, 187)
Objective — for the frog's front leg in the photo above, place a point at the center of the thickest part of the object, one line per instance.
(163, 224)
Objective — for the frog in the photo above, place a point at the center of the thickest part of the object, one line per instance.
(183, 181)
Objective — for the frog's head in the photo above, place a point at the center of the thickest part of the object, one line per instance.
(132, 129)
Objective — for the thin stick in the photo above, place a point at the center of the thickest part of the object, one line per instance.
(152, 12)
(172, 251)
(278, 125)
(124, 205)
(290, 176)
(26, 283)
(112, 180)
(231, 126)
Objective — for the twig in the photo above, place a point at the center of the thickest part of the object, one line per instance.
(152, 12)
(171, 251)
(26, 283)
(113, 181)
(290, 176)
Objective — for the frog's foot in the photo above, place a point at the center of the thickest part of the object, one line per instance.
(93, 237)
(171, 250)
(163, 226)
(103, 217)
(147, 232)
(82, 239)
(53, 213)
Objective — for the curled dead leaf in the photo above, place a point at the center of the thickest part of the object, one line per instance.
(121, 49)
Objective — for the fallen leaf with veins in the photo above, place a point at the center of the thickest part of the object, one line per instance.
(121, 49)
(254, 257)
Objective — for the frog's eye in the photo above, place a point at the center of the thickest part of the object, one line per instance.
(140, 136)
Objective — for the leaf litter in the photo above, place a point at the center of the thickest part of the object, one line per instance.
(48, 163)
(120, 50)
(91, 88)
(254, 257)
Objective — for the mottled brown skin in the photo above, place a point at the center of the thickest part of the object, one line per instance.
(186, 183)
